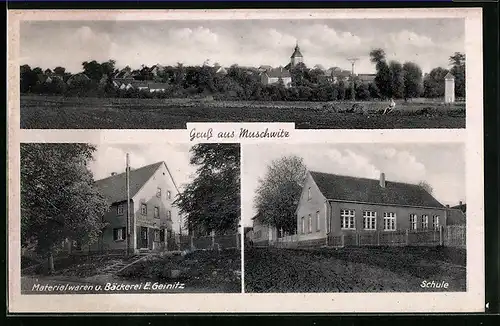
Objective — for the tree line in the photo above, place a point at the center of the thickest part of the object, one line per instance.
(393, 79)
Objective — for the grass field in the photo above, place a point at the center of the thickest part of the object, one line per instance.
(353, 269)
(48, 112)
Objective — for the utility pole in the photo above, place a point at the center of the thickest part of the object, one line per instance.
(353, 62)
(128, 204)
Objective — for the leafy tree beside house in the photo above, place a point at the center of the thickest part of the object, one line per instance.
(279, 192)
(434, 83)
(211, 202)
(58, 198)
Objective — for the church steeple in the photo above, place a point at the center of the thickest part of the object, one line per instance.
(296, 57)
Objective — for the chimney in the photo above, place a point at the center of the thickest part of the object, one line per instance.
(382, 180)
(113, 173)
(460, 203)
(447, 206)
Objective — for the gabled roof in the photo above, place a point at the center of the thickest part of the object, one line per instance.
(449, 76)
(338, 187)
(462, 207)
(114, 187)
(277, 73)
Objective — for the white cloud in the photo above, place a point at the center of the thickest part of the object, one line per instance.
(193, 44)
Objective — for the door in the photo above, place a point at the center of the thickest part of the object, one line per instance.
(144, 237)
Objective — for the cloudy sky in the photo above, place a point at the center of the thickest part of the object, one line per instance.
(112, 158)
(428, 42)
(440, 165)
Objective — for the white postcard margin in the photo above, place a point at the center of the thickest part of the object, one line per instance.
(470, 301)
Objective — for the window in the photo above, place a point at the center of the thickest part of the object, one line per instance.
(158, 192)
(157, 212)
(413, 221)
(309, 224)
(258, 234)
(169, 215)
(156, 235)
(303, 225)
(169, 195)
(389, 221)
(119, 209)
(425, 222)
(347, 217)
(162, 235)
(309, 193)
(369, 220)
(144, 209)
(435, 222)
(317, 221)
(119, 234)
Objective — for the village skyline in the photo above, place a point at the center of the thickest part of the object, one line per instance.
(442, 166)
(328, 43)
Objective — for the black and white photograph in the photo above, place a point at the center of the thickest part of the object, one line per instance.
(130, 218)
(317, 73)
(377, 217)
(246, 161)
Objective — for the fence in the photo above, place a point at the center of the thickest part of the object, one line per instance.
(210, 242)
(455, 236)
(445, 236)
(451, 236)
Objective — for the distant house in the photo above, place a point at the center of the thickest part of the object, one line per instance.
(273, 76)
(457, 214)
(78, 78)
(366, 78)
(157, 87)
(262, 234)
(152, 193)
(334, 205)
(334, 75)
(123, 77)
(156, 69)
(219, 70)
(264, 68)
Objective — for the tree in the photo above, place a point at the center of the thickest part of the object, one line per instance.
(60, 71)
(29, 79)
(211, 202)
(397, 79)
(93, 70)
(457, 62)
(279, 191)
(434, 83)
(426, 186)
(58, 198)
(412, 80)
(363, 92)
(383, 78)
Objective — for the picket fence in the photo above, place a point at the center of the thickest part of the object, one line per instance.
(450, 236)
(228, 241)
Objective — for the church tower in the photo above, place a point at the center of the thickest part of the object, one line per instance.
(296, 57)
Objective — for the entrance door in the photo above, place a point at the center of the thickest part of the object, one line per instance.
(144, 237)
